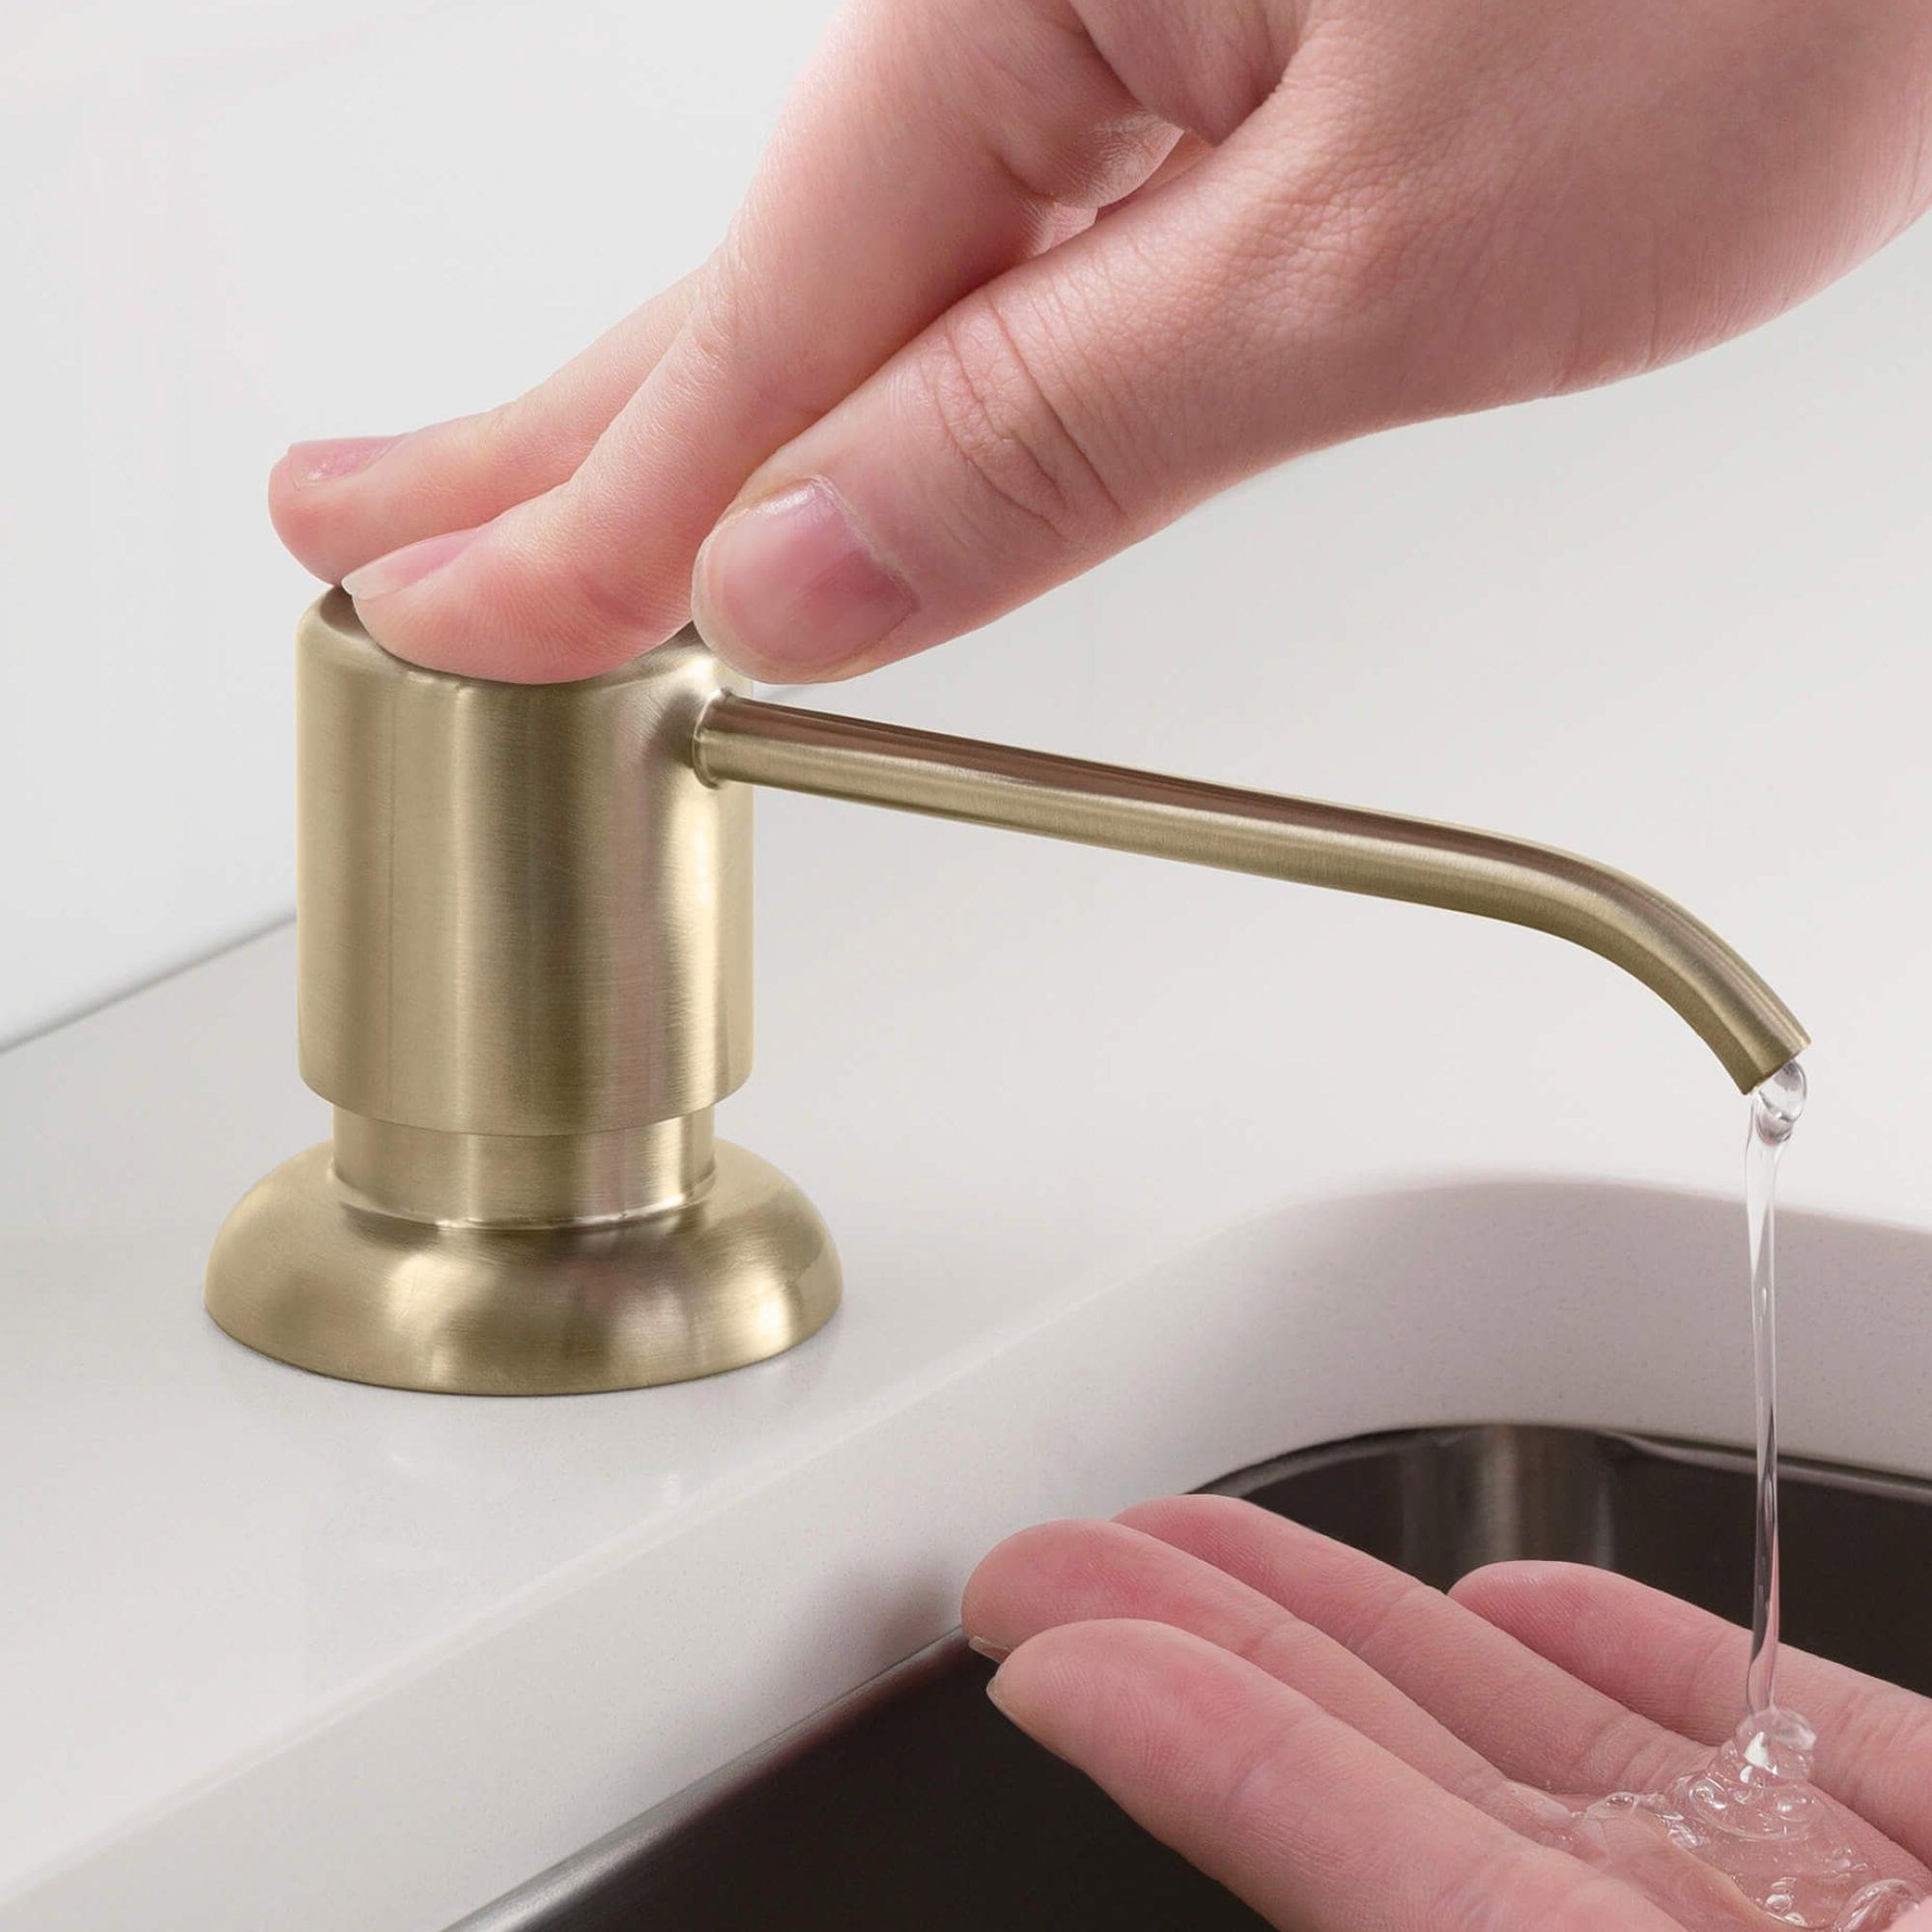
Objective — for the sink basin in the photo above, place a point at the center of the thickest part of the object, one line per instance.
(913, 1805)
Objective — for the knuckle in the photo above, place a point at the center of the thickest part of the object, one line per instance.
(1384, 1615)
(504, 433)
(998, 415)
(717, 327)
(1080, 166)
(778, 374)
(1063, 131)
(607, 615)
(580, 606)
(1627, 1751)
(511, 435)
(493, 458)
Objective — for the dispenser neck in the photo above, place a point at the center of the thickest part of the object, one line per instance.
(521, 1181)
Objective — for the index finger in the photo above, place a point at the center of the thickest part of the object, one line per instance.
(928, 149)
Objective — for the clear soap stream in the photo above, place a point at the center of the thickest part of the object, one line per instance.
(1749, 1820)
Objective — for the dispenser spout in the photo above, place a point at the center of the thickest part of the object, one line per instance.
(1626, 921)
(523, 966)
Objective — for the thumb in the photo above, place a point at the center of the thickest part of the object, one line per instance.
(1056, 414)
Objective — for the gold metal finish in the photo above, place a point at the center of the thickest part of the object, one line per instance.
(518, 910)
(741, 1270)
(525, 981)
(523, 945)
(521, 1180)
(1731, 1008)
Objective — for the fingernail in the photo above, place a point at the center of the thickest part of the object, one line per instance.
(408, 565)
(993, 1691)
(309, 463)
(791, 585)
(998, 1653)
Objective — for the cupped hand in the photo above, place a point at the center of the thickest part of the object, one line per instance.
(1345, 1748)
(921, 379)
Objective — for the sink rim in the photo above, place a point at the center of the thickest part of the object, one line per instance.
(531, 1906)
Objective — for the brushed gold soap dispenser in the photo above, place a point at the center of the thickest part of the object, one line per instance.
(523, 938)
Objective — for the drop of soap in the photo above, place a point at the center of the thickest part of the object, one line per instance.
(1777, 1102)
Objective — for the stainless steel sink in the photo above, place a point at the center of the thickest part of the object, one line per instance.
(912, 1805)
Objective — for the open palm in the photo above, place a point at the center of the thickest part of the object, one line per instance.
(1346, 1749)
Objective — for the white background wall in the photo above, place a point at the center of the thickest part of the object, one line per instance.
(227, 225)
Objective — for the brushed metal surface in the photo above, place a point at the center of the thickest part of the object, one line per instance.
(524, 940)
(1626, 921)
(524, 933)
(511, 1181)
(518, 910)
(741, 1270)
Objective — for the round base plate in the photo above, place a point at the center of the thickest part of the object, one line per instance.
(742, 1272)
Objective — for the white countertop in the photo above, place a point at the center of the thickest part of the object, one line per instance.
(1138, 1174)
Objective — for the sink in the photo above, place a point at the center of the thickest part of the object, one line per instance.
(913, 1805)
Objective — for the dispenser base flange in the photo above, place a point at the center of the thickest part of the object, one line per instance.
(743, 1271)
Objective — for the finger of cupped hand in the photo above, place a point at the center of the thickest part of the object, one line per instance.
(1530, 1717)
(1080, 1572)
(1290, 1807)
